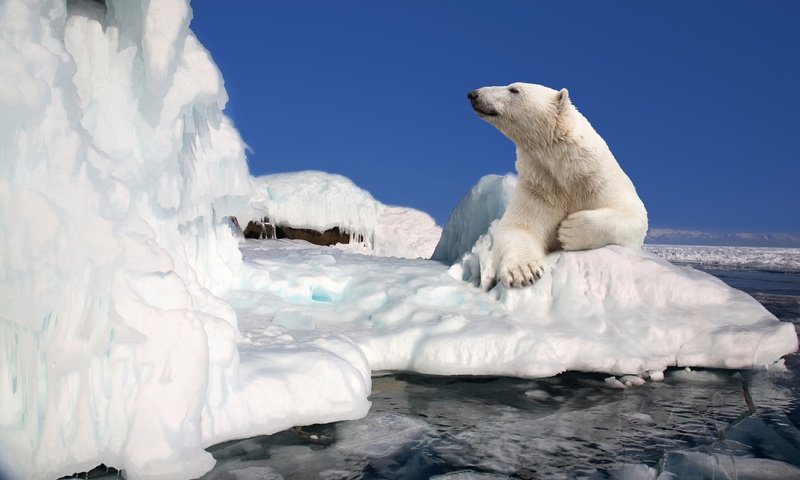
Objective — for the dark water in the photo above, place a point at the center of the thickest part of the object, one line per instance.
(695, 424)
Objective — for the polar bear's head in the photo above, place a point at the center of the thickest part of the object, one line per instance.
(526, 113)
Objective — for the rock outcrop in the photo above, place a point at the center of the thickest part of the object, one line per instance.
(259, 229)
(264, 230)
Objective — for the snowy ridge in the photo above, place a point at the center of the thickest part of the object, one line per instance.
(320, 201)
(762, 258)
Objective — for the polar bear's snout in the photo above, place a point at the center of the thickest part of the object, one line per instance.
(480, 104)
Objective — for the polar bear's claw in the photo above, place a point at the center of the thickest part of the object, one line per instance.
(521, 275)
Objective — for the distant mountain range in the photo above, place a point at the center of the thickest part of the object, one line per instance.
(669, 236)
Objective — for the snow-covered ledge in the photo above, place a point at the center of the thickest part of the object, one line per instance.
(613, 309)
(623, 311)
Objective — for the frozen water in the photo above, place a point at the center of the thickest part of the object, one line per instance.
(488, 426)
(569, 426)
(754, 258)
(320, 201)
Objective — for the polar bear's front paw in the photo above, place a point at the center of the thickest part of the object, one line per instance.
(579, 232)
(521, 274)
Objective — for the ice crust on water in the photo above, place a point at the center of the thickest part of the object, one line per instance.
(132, 332)
(321, 201)
(782, 259)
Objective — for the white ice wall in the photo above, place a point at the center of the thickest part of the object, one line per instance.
(116, 168)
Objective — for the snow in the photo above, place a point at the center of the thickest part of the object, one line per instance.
(321, 201)
(136, 330)
(405, 232)
(317, 200)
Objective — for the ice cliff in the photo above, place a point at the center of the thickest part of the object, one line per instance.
(116, 169)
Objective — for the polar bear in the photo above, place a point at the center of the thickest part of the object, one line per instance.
(570, 193)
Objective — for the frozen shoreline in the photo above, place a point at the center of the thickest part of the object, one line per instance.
(764, 258)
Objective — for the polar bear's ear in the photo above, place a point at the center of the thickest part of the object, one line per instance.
(562, 99)
(563, 119)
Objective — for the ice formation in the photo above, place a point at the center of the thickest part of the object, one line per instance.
(320, 201)
(116, 169)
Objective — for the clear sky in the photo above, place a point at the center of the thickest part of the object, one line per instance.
(699, 101)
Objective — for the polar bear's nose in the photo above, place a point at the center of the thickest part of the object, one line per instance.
(472, 95)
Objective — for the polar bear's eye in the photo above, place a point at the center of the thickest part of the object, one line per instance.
(513, 90)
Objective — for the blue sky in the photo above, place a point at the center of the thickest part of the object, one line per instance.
(698, 101)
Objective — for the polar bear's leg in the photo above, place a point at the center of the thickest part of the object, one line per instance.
(587, 229)
(522, 239)
(518, 256)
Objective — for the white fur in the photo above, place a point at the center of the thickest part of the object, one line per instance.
(571, 192)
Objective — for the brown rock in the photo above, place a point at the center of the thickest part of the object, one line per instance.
(259, 230)
(329, 237)
(263, 229)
